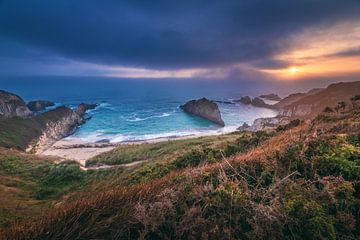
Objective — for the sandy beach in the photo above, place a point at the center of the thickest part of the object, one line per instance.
(81, 151)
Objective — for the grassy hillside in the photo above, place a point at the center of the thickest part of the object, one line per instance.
(30, 185)
(166, 151)
(300, 182)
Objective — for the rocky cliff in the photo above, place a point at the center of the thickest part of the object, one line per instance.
(12, 105)
(56, 124)
(307, 106)
(204, 108)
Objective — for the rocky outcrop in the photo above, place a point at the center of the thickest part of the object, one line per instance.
(256, 102)
(271, 96)
(57, 124)
(204, 108)
(244, 100)
(265, 124)
(39, 105)
(83, 107)
(12, 105)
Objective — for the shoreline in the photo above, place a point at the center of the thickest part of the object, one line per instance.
(81, 151)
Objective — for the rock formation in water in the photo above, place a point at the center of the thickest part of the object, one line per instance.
(271, 96)
(204, 108)
(256, 102)
(244, 100)
(12, 105)
(83, 107)
(39, 105)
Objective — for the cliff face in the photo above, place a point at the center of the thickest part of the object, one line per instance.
(12, 105)
(204, 108)
(314, 102)
(56, 124)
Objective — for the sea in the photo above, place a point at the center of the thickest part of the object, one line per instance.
(142, 109)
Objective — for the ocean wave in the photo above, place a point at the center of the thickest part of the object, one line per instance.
(100, 135)
(138, 119)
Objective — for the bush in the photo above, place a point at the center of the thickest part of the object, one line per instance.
(307, 220)
(328, 110)
(355, 98)
(354, 139)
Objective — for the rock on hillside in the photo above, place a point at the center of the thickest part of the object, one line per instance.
(261, 124)
(311, 105)
(12, 105)
(204, 108)
(39, 105)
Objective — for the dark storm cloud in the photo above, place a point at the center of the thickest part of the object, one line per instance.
(165, 34)
(354, 52)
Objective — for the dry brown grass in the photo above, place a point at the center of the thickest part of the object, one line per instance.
(119, 211)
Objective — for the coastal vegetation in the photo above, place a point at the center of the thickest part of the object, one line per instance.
(300, 181)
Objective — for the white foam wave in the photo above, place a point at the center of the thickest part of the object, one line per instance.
(137, 119)
(118, 138)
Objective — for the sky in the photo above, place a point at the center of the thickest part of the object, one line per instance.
(192, 39)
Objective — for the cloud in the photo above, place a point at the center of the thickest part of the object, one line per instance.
(165, 35)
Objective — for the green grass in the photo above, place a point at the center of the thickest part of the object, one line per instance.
(161, 151)
(28, 184)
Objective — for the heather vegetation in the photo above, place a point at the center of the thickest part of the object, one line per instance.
(298, 182)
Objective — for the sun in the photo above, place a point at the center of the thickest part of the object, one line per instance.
(293, 70)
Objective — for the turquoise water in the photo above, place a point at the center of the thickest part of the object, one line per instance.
(131, 110)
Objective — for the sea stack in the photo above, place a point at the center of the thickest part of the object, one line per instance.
(204, 108)
(271, 96)
(39, 105)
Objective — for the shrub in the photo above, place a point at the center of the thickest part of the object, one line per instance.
(328, 110)
(307, 220)
(354, 139)
(355, 98)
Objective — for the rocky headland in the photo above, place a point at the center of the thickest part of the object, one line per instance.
(36, 133)
(306, 106)
(204, 108)
(12, 105)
